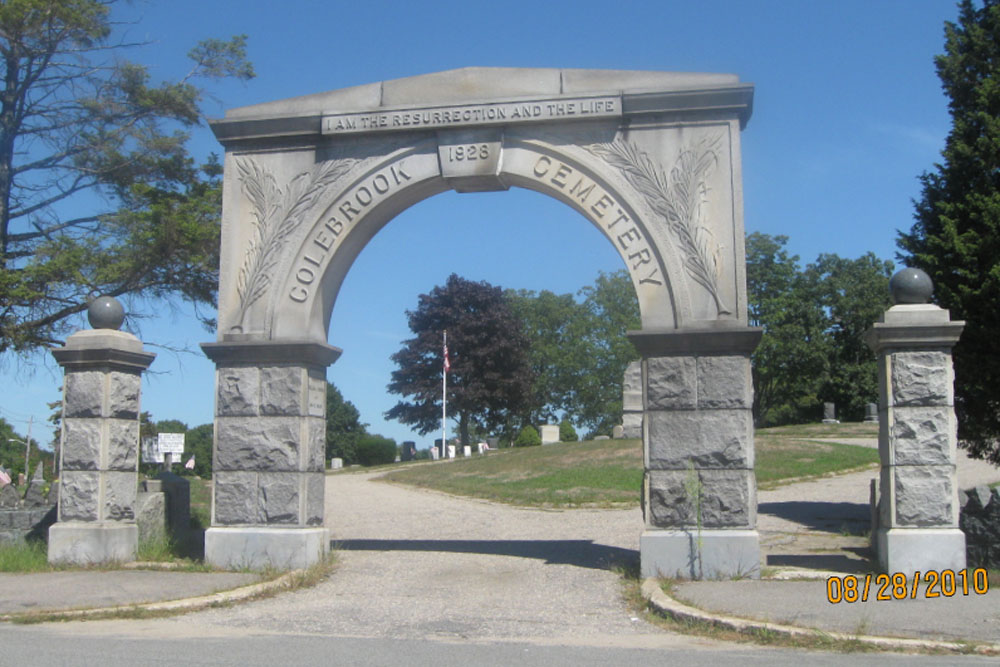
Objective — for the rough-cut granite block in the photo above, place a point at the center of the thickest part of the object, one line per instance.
(281, 390)
(84, 393)
(924, 496)
(81, 444)
(921, 378)
(123, 444)
(316, 454)
(78, 494)
(728, 498)
(279, 498)
(123, 395)
(257, 443)
(235, 497)
(119, 495)
(724, 382)
(671, 383)
(706, 439)
(632, 387)
(922, 436)
(238, 391)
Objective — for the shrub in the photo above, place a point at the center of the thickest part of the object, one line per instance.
(566, 432)
(373, 450)
(528, 437)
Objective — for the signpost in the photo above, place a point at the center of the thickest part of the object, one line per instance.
(171, 447)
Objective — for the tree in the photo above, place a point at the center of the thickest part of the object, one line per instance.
(98, 194)
(956, 235)
(198, 443)
(790, 364)
(559, 349)
(612, 309)
(490, 377)
(343, 427)
(853, 293)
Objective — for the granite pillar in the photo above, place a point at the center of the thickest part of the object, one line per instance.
(99, 456)
(699, 489)
(916, 510)
(268, 458)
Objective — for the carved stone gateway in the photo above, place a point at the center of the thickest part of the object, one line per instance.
(652, 159)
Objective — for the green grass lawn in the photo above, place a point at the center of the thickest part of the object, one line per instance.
(608, 473)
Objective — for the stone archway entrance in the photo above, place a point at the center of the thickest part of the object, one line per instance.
(652, 159)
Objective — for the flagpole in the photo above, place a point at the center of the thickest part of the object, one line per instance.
(444, 399)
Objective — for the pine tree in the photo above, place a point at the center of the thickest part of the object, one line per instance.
(956, 237)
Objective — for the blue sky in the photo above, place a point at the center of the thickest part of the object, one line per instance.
(848, 111)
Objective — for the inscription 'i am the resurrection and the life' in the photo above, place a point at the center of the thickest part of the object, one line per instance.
(579, 108)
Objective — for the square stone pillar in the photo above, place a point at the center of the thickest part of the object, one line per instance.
(99, 456)
(917, 508)
(269, 454)
(699, 492)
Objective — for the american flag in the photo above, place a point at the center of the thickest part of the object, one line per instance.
(447, 363)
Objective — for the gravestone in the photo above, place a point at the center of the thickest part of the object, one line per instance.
(830, 414)
(618, 432)
(871, 412)
(549, 433)
(310, 181)
(34, 496)
(336, 463)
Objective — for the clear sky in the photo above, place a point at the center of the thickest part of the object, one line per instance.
(848, 111)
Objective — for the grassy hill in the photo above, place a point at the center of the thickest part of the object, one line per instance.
(608, 473)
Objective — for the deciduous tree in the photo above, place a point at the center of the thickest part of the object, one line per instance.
(343, 426)
(956, 236)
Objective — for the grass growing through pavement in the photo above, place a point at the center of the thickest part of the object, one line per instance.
(608, 473)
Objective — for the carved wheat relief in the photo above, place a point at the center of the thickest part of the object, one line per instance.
(276, 214)
(677, 196)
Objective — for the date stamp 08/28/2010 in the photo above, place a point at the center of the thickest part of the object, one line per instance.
(899, 586)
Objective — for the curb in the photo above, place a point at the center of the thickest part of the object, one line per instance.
(670, 607)
(184, 604)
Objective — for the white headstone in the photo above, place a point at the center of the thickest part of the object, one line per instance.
(435, 454)
(550, 433)
(466, 451)
(336, 463)
(451, 451)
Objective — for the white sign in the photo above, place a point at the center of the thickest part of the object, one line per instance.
(170, 443)
(150, 452)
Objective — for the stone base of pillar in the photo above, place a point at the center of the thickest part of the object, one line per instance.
(91, 543)
(723, 554)
(909, 550)
(258, 547)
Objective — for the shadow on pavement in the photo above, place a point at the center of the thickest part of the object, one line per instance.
(580, 553)
(823, 516)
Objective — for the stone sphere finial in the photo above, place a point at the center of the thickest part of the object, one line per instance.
(106, 312)
(910, 286)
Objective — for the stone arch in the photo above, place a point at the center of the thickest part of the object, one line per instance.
(651, 159)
